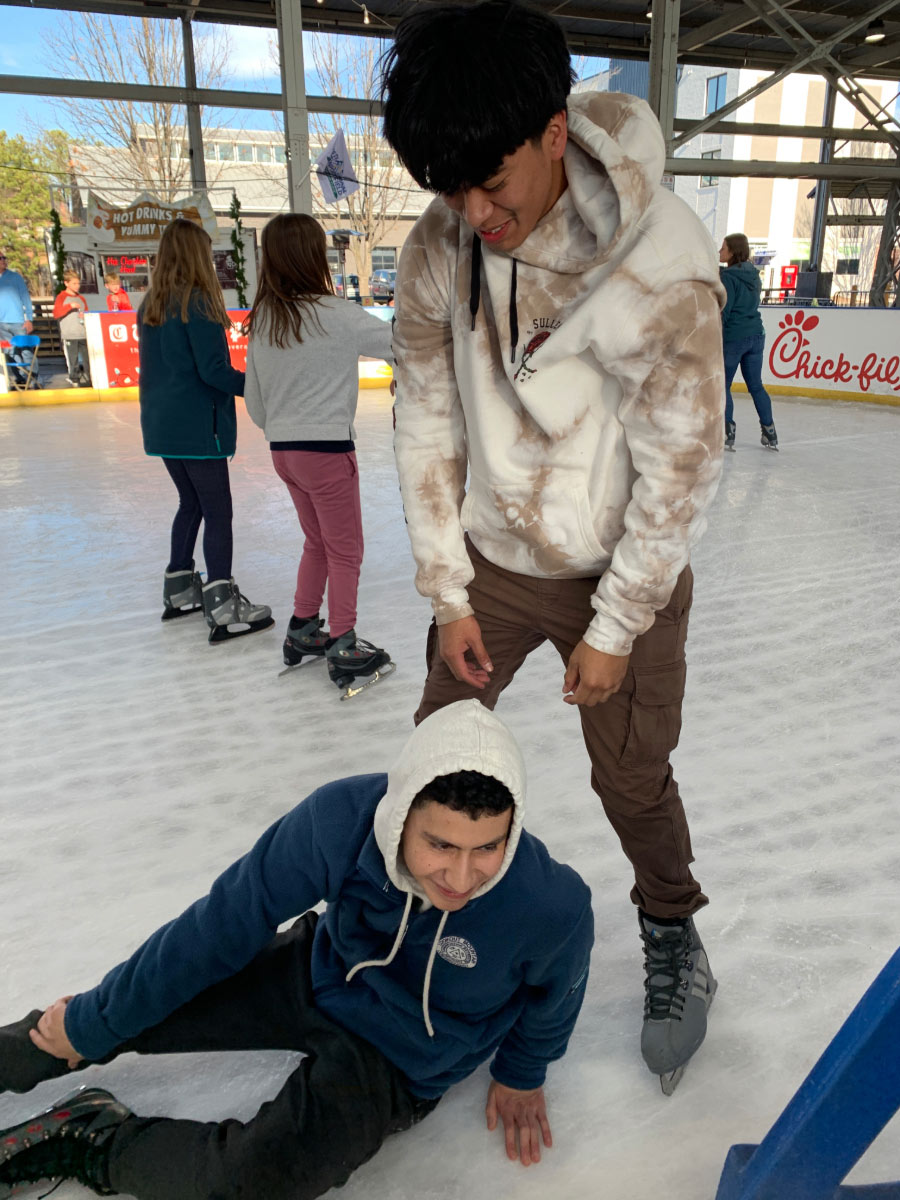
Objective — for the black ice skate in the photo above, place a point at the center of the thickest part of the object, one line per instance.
(730, 431)
(768, 437)
(678, 990)
(22, 1065)
(70, 1140)
(230, 614)
(351, 661)
(182, 593)
(305, 640)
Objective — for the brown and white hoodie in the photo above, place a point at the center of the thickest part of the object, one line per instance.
(585, 406)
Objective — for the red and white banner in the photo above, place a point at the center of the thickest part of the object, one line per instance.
(113, 347)
(821, 350)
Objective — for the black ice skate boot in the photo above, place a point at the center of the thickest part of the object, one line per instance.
(305, 639)
(22, 1065)
(678, 990)
(730, 431)
(71, 1140)
(768, 437)
(231, 615)
(182, 593)
(351, 660)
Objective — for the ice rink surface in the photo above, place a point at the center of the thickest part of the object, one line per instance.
(139, 761)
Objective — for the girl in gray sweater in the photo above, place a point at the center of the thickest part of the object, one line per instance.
(301, 390)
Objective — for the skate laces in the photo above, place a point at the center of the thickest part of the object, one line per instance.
(62, 1156)
(664, 958)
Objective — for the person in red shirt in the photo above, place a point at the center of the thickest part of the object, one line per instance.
(117, 299)
(69, 309)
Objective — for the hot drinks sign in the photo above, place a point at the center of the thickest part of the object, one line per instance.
(146, 218)
(840, 350)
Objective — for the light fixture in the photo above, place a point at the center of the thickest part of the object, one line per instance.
(366, 16)
(875, 31)
(649, 13)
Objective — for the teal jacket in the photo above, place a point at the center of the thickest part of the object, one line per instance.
(741, 318)
(187, 387)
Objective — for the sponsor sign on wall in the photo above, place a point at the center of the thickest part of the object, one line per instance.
(113, 347)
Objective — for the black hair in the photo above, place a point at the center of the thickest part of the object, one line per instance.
(464, 86)
(468, 792)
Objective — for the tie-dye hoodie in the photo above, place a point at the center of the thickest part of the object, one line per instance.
(585, 406)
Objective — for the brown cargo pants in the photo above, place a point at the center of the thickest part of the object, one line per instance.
(628, 739)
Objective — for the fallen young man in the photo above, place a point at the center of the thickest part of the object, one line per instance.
(450, 937)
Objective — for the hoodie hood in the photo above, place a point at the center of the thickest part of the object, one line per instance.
(743, 275)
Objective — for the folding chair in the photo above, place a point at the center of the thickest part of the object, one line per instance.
(21, 341)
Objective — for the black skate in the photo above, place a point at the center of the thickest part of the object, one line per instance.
(679, 988)
(182, 594)
(730, 431)
(70, 1140)
(351, 660)
(22, 1065)
(229, 614)
(305, 639)
(768, 437)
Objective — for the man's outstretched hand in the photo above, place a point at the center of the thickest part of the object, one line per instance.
(50, 1035)
(454, 641)
(592, 676)
(524, 1117)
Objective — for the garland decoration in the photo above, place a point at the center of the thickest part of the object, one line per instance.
(237, 253)
(57, 251)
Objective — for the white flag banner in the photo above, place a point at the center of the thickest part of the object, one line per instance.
(335, 171)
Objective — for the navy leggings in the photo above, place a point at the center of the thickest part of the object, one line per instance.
(205, 495)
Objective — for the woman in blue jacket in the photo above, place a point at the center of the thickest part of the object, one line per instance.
(187, 390)
(743, 336)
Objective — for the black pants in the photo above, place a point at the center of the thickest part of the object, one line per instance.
(331, 1115)
(77, 363)
(205, 495)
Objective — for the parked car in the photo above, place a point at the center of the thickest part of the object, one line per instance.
(352, 286)
(381, 285)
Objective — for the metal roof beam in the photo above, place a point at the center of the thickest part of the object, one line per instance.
(757, 168)
(772, 129)
(730, 22)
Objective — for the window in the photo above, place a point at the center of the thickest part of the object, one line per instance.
(245, 153)
(710, 180)
(847, 266)
(226, 152)
(384, 258)
(209, 151)
(280, 154)
(715, 93)
(264, 153)
(386, 159)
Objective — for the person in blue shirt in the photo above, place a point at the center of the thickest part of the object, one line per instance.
(450, 937)
(16, 317)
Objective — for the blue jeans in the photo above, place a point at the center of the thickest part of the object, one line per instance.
(747, 353)
(19, 358)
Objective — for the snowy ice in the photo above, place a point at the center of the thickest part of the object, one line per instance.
(139, 761)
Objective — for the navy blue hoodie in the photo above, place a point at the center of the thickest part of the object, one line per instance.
(437, 993)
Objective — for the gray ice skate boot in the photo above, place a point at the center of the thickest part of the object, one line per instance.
(730, 431)
(354, 665)
(305, 639)
(231, 615)
(182, 593)
(678, 989)
(70, 1140)
(768, 437)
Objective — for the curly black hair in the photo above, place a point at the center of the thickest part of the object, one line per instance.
(465, 85)
(468, 792)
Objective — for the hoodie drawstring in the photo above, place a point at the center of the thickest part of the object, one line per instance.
(427, 986)
(398, 941)
(475, 297)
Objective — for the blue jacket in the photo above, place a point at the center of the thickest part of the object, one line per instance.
(507, 980)
(15, 303)
(740, 317)
(187, 387)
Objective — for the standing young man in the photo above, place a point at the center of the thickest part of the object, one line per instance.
(450, 937)
(558, 342)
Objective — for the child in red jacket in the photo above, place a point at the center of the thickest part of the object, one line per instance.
(117, 298)
(69, 310)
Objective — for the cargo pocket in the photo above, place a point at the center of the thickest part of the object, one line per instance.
(655, 721)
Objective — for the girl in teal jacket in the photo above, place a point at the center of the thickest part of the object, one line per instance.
(187, 390)
(744, 337)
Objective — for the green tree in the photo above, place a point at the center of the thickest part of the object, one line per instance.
(24, 206)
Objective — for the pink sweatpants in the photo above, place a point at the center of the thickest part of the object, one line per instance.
(325, 491)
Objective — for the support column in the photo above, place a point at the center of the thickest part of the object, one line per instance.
(664, 64)
(887, 264)
(195, 130)
(296, 115)
(823, 187)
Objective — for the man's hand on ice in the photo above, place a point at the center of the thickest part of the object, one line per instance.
(592, 676)
(457, 637)
(50, 1035)
(524, 1117)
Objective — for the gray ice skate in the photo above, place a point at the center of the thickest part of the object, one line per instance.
(305, 641)
(354, 665)
(679, 988)
(730, 431)
(231, 615)
(182, 593)
(768, 437)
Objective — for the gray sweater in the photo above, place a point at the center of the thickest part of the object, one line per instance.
(308, 392)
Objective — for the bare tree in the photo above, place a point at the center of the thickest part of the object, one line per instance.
(153, 133)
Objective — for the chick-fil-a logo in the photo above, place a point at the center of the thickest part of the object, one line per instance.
(790, 358)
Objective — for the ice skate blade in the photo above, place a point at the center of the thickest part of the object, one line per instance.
(729, 449)
(354, 689)
(311, 658)
(670, 1081)
(225, 633)
(172, 614)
